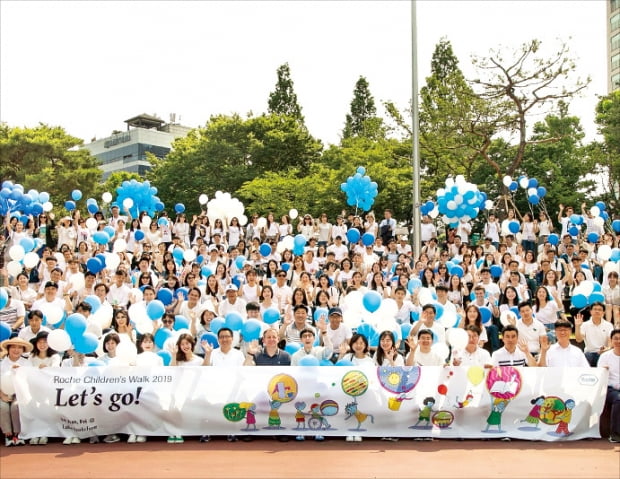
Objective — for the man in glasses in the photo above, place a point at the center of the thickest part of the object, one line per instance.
(282, 292)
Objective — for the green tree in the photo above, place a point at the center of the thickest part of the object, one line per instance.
(47, 158)
(115, 180)
(607, 154)
(362, 120)
(283, 100)
(229, 151)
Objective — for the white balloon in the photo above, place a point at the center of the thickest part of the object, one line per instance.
(507, 180)
(106, 197)
(137, 313)
(91, 224)
(94, 328)
(48, 206)
(144, 325)
(189, 255)
(524, 182)
(505, 315)
(127, 203)
(598, 221)
(31, 259)
(459, 180)
(261, 223)
(457, 338)
(595, 211)
(425, 296)
(218, 194)
(112, 261)
(120, 246)
(203, 199)
(288, 242)
(293, 213)
(103, 316)
(6, 384)
(440, 348)
(603, 254)
(126, 350)
(448, 318)
(434, 213)
(458, 199)
(243, 220)
(488, 205)
(59, 340)
(77, 281)
(53, 314)
(353, 301)
(148, 358)
(449, 182)
(17, 252)
(388, 309)
(532, 191)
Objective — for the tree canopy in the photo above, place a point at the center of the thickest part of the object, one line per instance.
(283, 100)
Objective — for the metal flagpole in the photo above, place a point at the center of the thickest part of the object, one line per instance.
(416, 134)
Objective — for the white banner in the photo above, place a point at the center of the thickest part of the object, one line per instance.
(546, 404)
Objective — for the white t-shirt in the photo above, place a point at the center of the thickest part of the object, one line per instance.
(570, 357)
(232, 358)
(427, 359)
(531, 334)
(595, 335)
(479, 357)
(610, 360)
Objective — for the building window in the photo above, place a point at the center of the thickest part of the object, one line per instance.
(615, 62)
(615, 42)
(615, 81)
(615, 22)
(614, 5)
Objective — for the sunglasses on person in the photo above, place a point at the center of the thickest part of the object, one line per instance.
(167, 321)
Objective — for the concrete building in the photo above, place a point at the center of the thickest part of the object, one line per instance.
(126, 151)
(613, 45)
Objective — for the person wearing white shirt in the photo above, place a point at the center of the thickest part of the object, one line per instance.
(232, 302)
(610, 360)
(472, 354)
(339, 249)
(595, 332)
(14, 349)
(515, 351)
(421, 353)
(530, 329)
(337, 331)
(118, 295)
(562, 353)
(35, 320)
(225, 355)
(307, 337)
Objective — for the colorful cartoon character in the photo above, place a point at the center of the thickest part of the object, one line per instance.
(495, 417)
(300, 415)
(425, 412)
(250, 417)
(565, 418)
(274, 416)
(317, 420)
(533, 416)
(465, 402)
(352, 411)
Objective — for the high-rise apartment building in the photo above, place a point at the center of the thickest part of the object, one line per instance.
(613, 44)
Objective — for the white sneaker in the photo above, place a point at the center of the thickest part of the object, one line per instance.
(140, 438)
(75, 440)
(34, 441)
(8, 441)
(110, 438)
(131, 438)
(67, 441)
(358, 438)
(93, 439)
(42, 441)
(350, 439)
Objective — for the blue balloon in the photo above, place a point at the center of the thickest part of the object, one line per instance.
(155, 309)
(92, 208)
(165, 356)
(486, 314)
(353, 235)
(573, 231)
(579, 301)
(76, 195)
(596, 287)
(177, 254)
(234, 321)
(533, 183)
(94, 265)
(325, 362)
(101, 237)
(309, 361)
(513, 186)
(206, 271)
(165, 295)
(405, 329)
(344, 362)
(615, 255)
(553, 239)
(27, 243)
(513, 227)
(69, 205)
(593, 237)
(298, 250)
(533, 199)
(601, 206)
(162, 221)
(161, 335)
(576, 219)
(292, 348)
(415, 316)
(264, 249)
(285, 266)
(138, 235)
(271, 315)
(217, 324)
(184, 290)
(366, 330)
(413, 284)
(596, 297)
(110, 231)
(457, 271)
(180, 322)
(210, 338)
(318, 312)
(5, 330)
(368, 239)
(239, 260)
(86, 344)
(371, 301)
(94, 301)
(179, 208)
(251, 330)
(75, 325)
(542, 191)
(496, 270)
(299, 240)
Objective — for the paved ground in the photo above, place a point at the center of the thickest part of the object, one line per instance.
(334, 458)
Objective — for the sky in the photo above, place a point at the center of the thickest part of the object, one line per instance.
(88, 66)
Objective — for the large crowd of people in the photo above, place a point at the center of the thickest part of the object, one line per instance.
(512, 292)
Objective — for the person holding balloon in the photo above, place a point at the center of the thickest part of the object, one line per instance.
(611, 291)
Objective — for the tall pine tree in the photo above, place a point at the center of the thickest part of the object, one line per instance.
(283, 100)
(362, 121)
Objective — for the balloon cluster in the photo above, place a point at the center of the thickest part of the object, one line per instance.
(13, 199)
(429, 208)
(460, 200)
(361, 192)
(225, 207)
(599, 215)
(535, 192)
(135, 196)
(587, 293)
